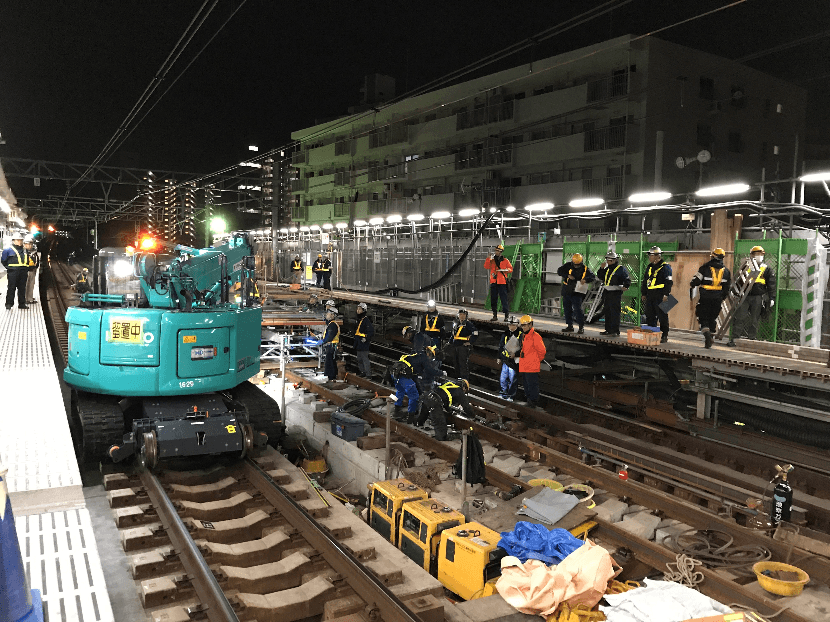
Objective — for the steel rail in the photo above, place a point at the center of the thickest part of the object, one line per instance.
(217, 607)
(365, 584)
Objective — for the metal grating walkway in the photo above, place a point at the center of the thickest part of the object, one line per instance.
(24, 342)
(61, 560)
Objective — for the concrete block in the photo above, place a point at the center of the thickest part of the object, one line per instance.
(419, 458)
(663, 535)
(322, 416)
(471, 488)
(648, 523)
(489, 454)
(510, 464)
(611, 511)
(633, 509)
(306, 398)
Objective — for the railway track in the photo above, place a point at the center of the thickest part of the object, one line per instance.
(727, 587)
(59, 298)
(254, 541)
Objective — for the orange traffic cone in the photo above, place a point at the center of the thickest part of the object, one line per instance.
(17, 602)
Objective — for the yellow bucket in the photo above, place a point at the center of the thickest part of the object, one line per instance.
(778, 586)
(546, 482)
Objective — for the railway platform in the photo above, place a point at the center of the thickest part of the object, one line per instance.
(54, 525)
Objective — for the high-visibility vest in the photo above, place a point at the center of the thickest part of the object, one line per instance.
(446, 389)
(323, 267)
(21, 262)
(357, 332)
(81, 278)
(337, 336)
(584, 272)
(652, 276)
(404, 360)
(610, 274)
(717, 277)
(458, 336)
(760, 279)
(432, 327)
(297, 265)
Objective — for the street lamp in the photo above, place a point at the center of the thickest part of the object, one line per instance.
(587, 202)
(217, 225)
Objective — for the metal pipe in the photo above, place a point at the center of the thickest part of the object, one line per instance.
(388, 458)
(217, 607)
(464, 507)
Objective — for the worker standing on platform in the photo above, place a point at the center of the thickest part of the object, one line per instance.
(531, 354)
(464, 336)
(16, 261)
(615, 280)
(655, 288)
(82, 285)
(499, 268)
(508, 349)
(325, 270)
(761, 297)
(296, 270)
(443, 399)
(34, 264)
(331, 341)
(713, 279)
(317, 268)
(433, 325)
(363, 340)
(575, 277)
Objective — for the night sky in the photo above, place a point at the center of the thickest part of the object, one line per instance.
(70, 71)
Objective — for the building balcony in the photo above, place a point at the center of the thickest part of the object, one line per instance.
(494, 113)
(611, 137)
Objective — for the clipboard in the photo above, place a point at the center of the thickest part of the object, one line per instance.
(668, 305)
(582, 288)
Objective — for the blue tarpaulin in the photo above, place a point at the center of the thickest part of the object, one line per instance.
(532, 541)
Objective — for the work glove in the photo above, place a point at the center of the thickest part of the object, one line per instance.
(665, 298)
(771, 303)
(468, 344)
(363, 339)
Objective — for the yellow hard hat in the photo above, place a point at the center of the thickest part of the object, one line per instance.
(500, 247)
(319, 254)
(525, 319)
(577, 258)
(719, 252)
(465, 385)
(757, 249)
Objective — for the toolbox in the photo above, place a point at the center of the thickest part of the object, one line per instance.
(643, 337)
(346, 426)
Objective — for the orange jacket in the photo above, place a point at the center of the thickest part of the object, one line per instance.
(498, 277)
(532, 353)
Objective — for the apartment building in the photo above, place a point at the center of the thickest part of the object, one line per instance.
(602, 121)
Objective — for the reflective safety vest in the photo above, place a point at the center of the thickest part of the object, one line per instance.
(458, 336)
(21, 262)
(432, 327)
(446, 389)
(584, 272)
(609, 274)
(357, 332)
(651, 279)
(324, 267)
(297, 265)
(717, 277)
(405, 361)
(760, 279)
(337, 336)
(81, 278)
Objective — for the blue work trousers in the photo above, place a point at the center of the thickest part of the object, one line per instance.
(572, 303)
(509, 381)
(407, 387)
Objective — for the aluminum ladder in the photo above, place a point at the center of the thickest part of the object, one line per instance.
(738, 291)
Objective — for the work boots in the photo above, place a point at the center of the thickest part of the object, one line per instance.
(708, 337)
(399, 413)
(664, 338)
(568, 329)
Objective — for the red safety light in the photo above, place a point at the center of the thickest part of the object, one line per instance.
(51, 228)
(148, 244)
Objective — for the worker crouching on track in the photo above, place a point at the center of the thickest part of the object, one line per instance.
(655, 288)
(82, 285)
(713, 281)
(575, 276)
(464, 335)
(500, 269)
(759, 301)
(508, 349)
(531, 354)
(363, 341)
(615, 280)
(443, 398)
(331, 341)
(418, 341)
(404, 373)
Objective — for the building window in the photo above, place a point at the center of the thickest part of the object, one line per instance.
(735, 143)
(707, 88)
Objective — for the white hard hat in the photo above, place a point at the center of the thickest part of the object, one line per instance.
(17, 236)
(29, 239)
(331, 310)
(330, 303)
(363, 306)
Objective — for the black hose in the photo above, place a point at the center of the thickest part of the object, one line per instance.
(355, 407)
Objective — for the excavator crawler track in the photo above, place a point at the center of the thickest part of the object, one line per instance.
(263, 412)
(102, 425)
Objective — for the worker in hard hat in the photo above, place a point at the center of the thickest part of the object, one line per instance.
(441, 400)
(82, 284)
(531, 354)
(417, 340)
(325, 270)
(464, 335)
(712, 281)
(499, 269)
(16, 261)
(432, 325)
(655, 288)
(34, 264)
(759, 301)
(508, 350)
(615, 280)
(575, 278)
(317, 269)
(296, 270)
(331, 342)
(363, 340)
